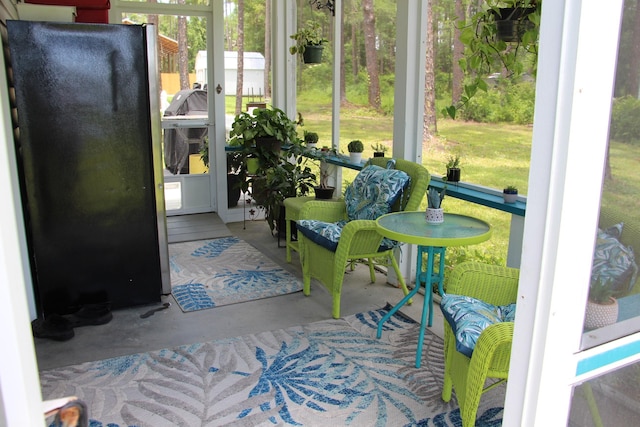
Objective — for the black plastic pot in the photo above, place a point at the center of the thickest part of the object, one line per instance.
(512, 23)
(378, 154)
(312, 54)
(324, 193)
(453, 174)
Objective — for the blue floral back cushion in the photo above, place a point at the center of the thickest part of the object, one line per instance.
(468, 317)
(327, 234)
(374, 191)
(614, 262)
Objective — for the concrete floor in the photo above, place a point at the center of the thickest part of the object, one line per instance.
(127, 333)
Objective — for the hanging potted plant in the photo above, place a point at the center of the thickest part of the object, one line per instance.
(453, 169)
(435, 213)
(379, 149)
(510, 194)
(487, 50)
(309, 43)
(355, 149)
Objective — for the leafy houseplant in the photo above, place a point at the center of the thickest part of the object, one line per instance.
(453, 169)
(486, 44)
(435, 214)
(379, 149)
(262, 134)
(355, 149)
(309, 43)
(510, 194)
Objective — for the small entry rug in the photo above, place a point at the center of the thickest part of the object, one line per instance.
(328, 373)
(211, 273)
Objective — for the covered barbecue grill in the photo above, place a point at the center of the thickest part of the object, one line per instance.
(180, 142)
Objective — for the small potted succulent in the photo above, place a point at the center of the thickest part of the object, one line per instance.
(355, 149)
(602, 306)
(510, 194)
(379, 149)
(453, 169)
(309, 43)
(310, 139)
(435, 213)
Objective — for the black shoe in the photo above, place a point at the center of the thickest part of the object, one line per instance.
(90, 314)
(54, 327)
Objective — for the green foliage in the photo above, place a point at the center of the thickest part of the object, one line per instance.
(379, 148)
(355, 146)
(263, 123)
(310, 137)
(435, 197)
(510, 189)
(625, 120)
(485, 53)
(506, 102)
(453, 162)
(309, 35)
(601, 290)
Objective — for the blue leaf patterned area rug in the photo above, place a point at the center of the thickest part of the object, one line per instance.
(211, 273)
(328, 373)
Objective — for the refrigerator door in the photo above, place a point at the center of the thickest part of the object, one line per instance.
(86, 149)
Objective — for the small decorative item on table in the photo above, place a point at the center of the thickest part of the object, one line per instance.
(435, 213)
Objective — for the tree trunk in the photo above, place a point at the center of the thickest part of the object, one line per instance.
(267, 49)
(240, 74)
(370, 53)
(634, 64)
(458, 52)
(343, 87)
(183, 54)
(429, 127)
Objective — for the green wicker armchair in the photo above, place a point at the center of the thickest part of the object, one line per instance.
(492, 354)
(359, 238)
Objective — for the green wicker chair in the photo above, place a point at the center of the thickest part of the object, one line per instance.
(359, 238)
(492, 354)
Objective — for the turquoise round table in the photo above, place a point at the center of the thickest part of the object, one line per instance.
(432, 239)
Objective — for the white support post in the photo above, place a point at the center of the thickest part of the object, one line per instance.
(411, 44)
(283, 66)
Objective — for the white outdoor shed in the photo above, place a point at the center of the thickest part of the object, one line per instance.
(253, 83)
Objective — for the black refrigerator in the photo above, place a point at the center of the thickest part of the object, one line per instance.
(89, 154)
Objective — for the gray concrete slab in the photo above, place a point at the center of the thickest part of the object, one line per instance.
(127, 333)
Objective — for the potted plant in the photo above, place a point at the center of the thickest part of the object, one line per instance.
(510, 194)
(309, 43)
(324, 191)
(261, 134)
(379, 149)
(602, 307)
(453, 169)
(310, 139)
(435, 213)
(355, 149)
(486, 46)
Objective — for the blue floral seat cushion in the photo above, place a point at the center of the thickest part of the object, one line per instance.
(468, 317)
(327, 234)
(374, 191)
(613, 262)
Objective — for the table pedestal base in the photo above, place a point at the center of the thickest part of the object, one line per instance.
(428, 278)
